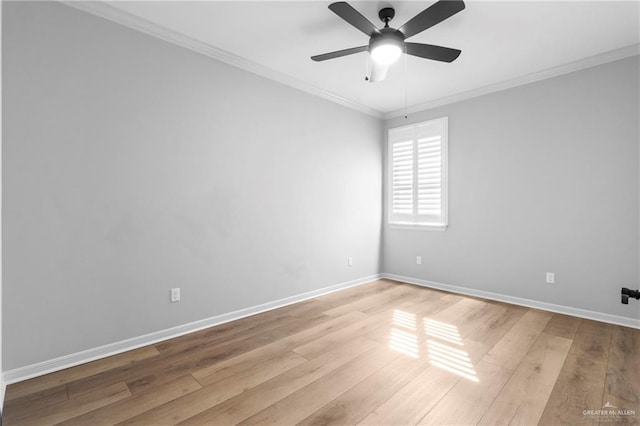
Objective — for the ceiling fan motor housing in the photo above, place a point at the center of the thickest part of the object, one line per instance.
(387, 44)
(387, 36)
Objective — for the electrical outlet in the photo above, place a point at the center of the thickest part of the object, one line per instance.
(350, 261)
(418, 260)
(551, 278)
(175, 295)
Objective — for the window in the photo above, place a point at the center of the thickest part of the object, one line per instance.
(418, 175)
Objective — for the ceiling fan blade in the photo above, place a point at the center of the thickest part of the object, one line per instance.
(429, 51)
(353, 17)
(431, 16)
(339, 53)
(378, 72)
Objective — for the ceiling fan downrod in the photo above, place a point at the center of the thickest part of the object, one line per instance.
(386, 14)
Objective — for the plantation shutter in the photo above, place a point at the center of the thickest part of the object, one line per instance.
(429, 173)
(402, 175)
(418, 173)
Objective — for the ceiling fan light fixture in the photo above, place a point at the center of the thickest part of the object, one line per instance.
(386, 54)
(386, 47)
(387, 44)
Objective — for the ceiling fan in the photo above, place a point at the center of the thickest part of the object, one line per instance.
(387, 44)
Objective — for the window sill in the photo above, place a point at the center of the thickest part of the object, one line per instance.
(418, 227)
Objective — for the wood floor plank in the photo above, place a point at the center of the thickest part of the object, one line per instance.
(127, 359)
(580, 384)
(563, 326)
(493, 327)
(209, 396)
(478, 318)
(166, 367)
(464, 309)
(458, 320)
(73, 407)
(356, 403)
(254, 400)
(594, 339)
(247, 343)
(384, 297)
(429, 324)
(320, 345)
(129, 407)
(232, 365)
(352, 294)
(378, 327)
(249, 326)
(302, 403)
(234, 346)
(418, 398)
(430, 302)
(622, 380)
(34, 401)
(253, 325)
(511, 349)
(478, 390)
(411, 403)
(417, 298)
(524, 397)
(259, 373)
(248, 373)
(468, 400)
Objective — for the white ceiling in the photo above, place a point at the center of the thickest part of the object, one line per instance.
(500, 41)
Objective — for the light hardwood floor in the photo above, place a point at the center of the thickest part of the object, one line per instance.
(381, 353)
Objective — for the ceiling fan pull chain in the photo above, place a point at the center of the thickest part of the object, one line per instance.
(367, 69)
(406, 78)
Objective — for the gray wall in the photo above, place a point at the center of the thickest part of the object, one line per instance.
(542, 178)
(132, 166)
(2, 385)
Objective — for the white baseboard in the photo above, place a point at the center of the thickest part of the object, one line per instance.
(71, 360)
(567, 310)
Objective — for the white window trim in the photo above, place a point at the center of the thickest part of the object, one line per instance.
(418, 226)
(440, 226)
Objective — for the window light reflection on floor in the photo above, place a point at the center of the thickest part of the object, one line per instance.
(443, 355)
(440, 338)
(404, 319)
(442, 331)
(403, 340)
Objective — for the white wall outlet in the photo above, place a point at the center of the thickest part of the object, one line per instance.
(350, 261)
(175, 295)
(418, 260)
(551, 278)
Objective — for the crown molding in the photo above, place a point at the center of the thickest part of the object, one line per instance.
(592, 61)
(104, 10)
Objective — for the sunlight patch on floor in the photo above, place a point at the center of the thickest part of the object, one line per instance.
(404, 319)
(440, 340)
(404, 341)
(442, 331)
(445, 356)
